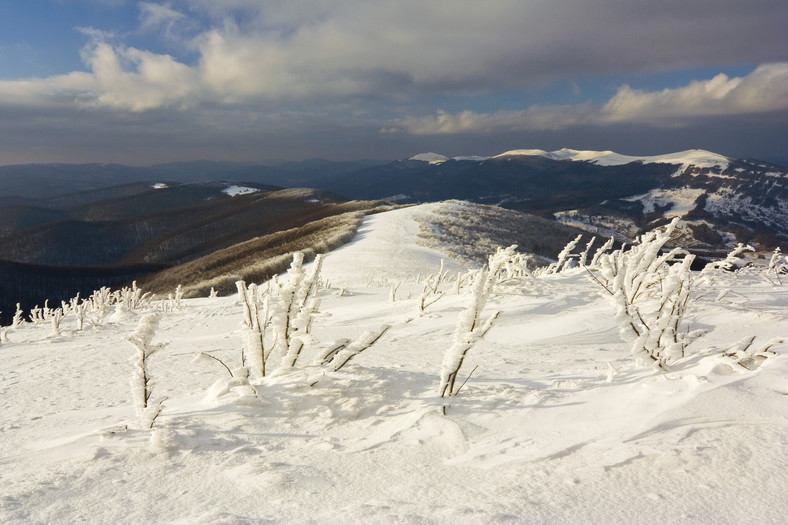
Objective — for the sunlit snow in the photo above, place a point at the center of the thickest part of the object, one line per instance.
(555, 424)
(235, 190)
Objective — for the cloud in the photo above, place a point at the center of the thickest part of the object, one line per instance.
(431, 46)
(343, 69)
(278, 51)
(763, 90)
(159, 17)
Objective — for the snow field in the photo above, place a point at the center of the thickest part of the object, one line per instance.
(557, 424)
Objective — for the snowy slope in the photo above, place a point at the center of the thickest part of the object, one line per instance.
(431, 158)
(694, 157)
(557, 424)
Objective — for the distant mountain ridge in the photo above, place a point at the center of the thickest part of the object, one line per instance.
(68, 221)
(722, 200)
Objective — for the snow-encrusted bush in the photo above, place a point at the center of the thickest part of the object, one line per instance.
(281, 313)
(650, 295)
(778, 265)
(296, 308)
(732, 261)
(511, 264)
(256, 323)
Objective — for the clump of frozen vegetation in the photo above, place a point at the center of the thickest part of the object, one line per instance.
(733, 261)
(431, 292)
(141, 384)
(564, 259)
(256, 320)
(749, 356)
(778, 264)
(280, 313)
(297, 307)
(512, 265)
(650, 290)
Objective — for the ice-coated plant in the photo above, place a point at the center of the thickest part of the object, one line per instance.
(600, 252)
(256, 322)
(650, 290)
(56, 316)
(777, 265)
(511, 264)
(431, 293)
(281, 313)
(470, 326)
(732, 261)
(563, 259)
(581, 261)
(18, 317)
(337, 355)
(79, 308)
(141, 384)
(296, 308)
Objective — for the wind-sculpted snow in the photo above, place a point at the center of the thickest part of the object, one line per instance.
(558, 424)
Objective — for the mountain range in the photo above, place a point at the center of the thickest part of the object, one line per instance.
(70, 228)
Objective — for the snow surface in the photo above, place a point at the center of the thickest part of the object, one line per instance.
(556, 425)
(432, 158)
(695, 157)
(235, 190)
(681, 200)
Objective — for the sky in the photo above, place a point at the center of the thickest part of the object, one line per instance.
(141, 82)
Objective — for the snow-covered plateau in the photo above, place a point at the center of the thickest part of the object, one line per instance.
(552, 419)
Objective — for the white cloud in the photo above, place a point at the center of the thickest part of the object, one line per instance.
(277, 52)
(156, 16)
(763, 90)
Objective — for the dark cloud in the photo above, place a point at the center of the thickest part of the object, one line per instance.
(297, 79)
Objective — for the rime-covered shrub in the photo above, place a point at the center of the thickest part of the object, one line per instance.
(650, 295)
(732, 261)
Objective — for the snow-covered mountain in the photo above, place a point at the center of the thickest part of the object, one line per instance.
(555, 422)
(722, 200)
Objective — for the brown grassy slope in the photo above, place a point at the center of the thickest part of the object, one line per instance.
(258, 259)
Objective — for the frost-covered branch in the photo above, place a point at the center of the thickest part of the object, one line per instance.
(254, 335)
(470, 327)
(298, 307)
(341, 352)
(141, 383)
(563, 257)
(777, 265)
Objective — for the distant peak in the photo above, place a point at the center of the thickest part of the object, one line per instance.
(696, 157)
(432, 158)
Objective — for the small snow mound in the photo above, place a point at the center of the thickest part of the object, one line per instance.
(432, 158)
(235, 190)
